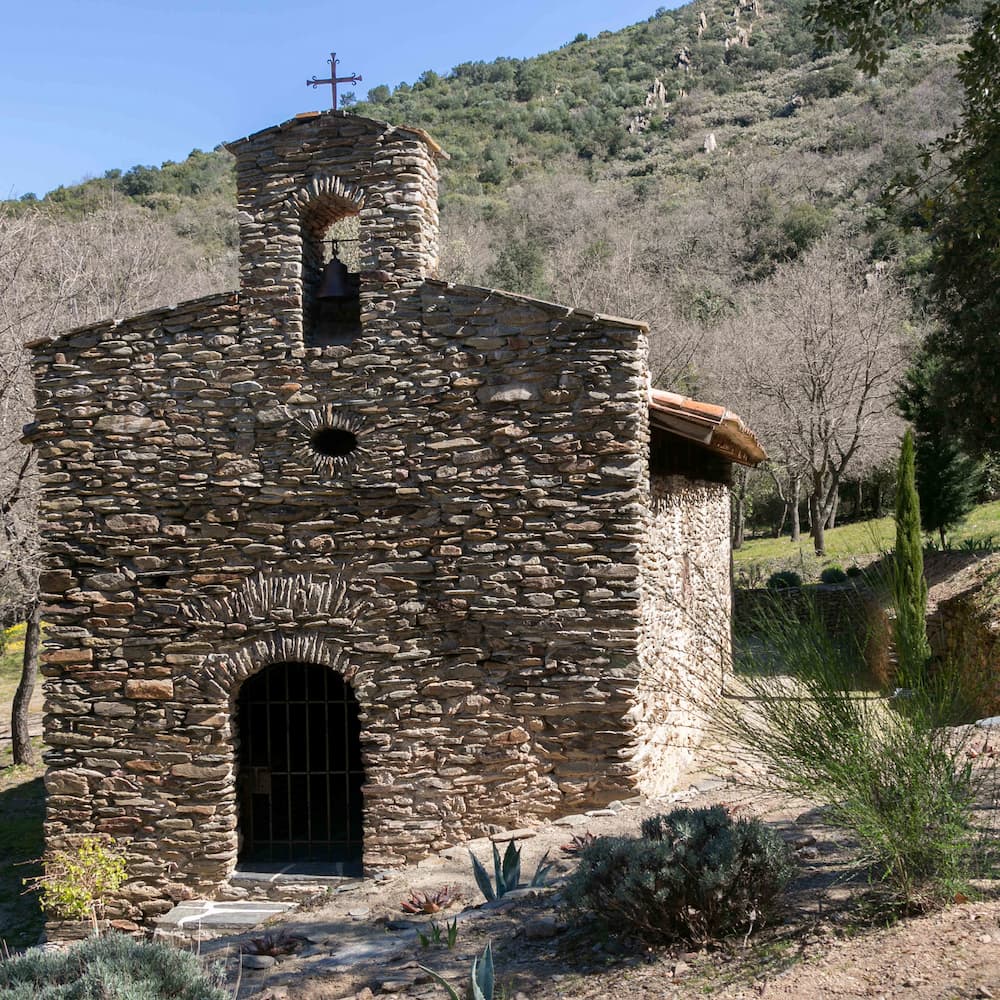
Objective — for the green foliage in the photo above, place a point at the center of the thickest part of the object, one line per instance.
(783, 580)
(889, 771)
(948, 480)
(481, 984)
(112, 967)
(694, 875)
(519, 268)
(77, 884)
(833, 574)
(438, 937)
(821, 83)
(964, 212)
(908, 584)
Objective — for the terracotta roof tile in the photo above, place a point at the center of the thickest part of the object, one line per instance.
(708, 424)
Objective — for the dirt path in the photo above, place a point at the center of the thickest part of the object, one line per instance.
(361, 944)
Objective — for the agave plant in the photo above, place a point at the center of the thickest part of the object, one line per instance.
(507, 872)
(578, 843)
(429, 902)
(481, 981)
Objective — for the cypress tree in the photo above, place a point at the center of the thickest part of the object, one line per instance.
(909, 585)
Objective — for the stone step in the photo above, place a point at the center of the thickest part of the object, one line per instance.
(195, 914)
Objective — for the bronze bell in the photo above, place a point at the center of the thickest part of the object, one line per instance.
(337, 282)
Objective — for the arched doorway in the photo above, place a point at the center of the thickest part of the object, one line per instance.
(300, 772)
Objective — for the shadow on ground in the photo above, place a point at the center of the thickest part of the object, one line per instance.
(22, 810)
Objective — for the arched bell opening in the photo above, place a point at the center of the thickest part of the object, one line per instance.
(300, 773)
(331, 282)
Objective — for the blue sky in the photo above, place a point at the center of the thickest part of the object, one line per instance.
(88, 85)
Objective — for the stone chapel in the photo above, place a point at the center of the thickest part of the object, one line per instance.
(333, 581)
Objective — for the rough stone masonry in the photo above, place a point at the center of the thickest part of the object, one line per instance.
(466, 513)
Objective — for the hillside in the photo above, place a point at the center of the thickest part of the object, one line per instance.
(635, 107)
(675, 171)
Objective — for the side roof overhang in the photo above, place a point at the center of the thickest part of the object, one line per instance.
(707, 424)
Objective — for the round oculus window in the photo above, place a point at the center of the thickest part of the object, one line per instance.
(334, 442)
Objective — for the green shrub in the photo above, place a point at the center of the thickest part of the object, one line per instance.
(694, 875)
(783, 580)
(832, 574)
(77, 884)
(890, 771)
(113, 967)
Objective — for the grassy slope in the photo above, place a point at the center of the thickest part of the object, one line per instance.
(859, 542)
(22, 801)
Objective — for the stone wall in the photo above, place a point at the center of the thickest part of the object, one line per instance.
(470, 568)
(685, 644)
(964, 632)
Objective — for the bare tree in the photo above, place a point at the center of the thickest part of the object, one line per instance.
(20, 308)
(56, 273)
(825, 344)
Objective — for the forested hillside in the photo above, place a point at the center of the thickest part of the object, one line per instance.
(708, 170)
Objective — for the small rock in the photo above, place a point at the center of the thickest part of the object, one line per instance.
(364, 993)
(985, 938)
(504, 835)
(679, 969)
(395, 985)
(542, 928)
(258, 962)
(984, 993)
(808, 853)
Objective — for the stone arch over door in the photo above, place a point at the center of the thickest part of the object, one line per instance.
(299, 771)
(216, 684)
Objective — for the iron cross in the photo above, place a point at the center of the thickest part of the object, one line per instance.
(334, 79)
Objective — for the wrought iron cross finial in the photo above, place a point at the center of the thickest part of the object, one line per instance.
(334, 79)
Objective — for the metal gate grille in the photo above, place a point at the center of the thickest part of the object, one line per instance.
(300, 771)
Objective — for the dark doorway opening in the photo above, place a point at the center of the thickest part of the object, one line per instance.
(300, 772)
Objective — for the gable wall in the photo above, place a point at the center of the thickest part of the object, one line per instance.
(471, 569)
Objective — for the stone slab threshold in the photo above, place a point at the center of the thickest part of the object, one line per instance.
(193, 914)
(292, 874)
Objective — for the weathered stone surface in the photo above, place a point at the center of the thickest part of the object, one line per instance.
(150, 689)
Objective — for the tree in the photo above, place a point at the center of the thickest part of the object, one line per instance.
(823, 345)
(909, 585)
(20, 238)
(964, 213)
(948, 480)
(56, 274)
